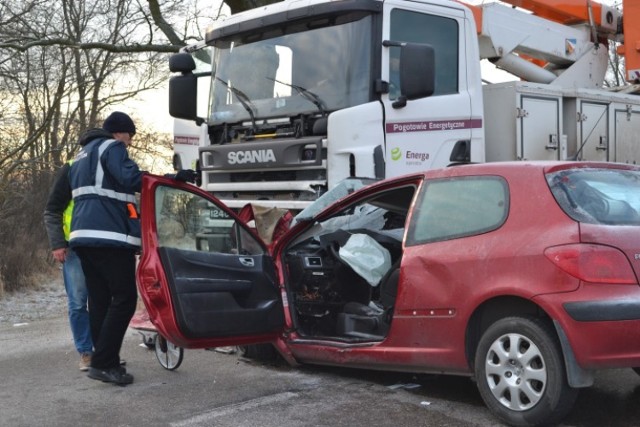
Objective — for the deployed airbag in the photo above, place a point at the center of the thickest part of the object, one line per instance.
(367, 257)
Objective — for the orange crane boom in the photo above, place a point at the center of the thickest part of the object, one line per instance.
(604, 19)
(631, 46)
(569, 11)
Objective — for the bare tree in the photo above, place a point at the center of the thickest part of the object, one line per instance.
(615, 73)
(615, 77)
(63, 65)
(240, 5)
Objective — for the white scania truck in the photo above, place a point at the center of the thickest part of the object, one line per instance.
(304, 93)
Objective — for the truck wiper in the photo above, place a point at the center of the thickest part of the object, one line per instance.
(244, 100)
(308, 95)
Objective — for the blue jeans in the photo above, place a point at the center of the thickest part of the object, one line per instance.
(77, 296)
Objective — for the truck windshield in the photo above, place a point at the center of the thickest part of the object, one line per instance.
(315, 71)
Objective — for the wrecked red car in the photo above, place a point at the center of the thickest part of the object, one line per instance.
(523, 275)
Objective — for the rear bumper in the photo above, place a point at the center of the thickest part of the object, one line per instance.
(601, 323)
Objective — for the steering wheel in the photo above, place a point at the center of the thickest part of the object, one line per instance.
(334, 249)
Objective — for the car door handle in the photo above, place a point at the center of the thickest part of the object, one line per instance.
(247, 262)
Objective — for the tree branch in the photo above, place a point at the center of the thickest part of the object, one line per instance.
(164, 26)
(129, 48)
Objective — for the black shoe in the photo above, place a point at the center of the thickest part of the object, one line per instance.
(113, 375)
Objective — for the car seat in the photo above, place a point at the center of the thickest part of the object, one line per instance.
(373, 320)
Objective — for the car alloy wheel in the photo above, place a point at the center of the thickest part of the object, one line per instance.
(515, 371)
(520, 372)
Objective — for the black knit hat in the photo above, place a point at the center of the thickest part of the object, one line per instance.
(119, 122)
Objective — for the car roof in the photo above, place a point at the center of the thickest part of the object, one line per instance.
(521, 166)
(490, 168)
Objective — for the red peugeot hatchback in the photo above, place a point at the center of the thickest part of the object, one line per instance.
(523, 275)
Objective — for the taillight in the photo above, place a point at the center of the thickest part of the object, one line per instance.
(593, 263)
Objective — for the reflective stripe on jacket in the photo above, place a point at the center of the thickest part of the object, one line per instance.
(104, 181)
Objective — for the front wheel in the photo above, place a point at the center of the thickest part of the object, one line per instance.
(260, 352)
(520, 372)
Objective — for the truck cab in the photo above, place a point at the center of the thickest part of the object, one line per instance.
(306, 94)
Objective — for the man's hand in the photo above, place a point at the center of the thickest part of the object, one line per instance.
(186, 175)
(59, 254)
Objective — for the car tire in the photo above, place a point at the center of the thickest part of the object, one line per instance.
(260, 352)
(524, 385)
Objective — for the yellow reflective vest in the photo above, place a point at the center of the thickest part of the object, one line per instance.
(66, 216)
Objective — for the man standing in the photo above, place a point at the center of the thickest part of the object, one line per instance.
(105, 232)
(57, 219)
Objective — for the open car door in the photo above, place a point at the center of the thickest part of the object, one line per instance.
(205, 278)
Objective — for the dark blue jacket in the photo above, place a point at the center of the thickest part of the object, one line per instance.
(104, 181)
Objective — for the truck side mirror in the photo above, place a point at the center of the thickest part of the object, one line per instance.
(183, 89)
(181, 63)
(183, 95)
(417, 72)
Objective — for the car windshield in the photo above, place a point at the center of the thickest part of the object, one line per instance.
(314, 71)
(598, 196)
(342, 189)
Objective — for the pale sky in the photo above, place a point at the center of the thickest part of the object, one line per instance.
(153, 108)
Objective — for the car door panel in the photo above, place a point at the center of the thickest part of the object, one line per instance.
(215, 294)
(206, 279)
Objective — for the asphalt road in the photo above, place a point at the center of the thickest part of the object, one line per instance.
(41, 386)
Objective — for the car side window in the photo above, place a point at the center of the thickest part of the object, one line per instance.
(187, 221)
(458, 207)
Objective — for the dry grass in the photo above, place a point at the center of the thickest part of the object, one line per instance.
(24, 251)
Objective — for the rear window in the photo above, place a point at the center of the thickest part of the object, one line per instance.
(598, 196)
